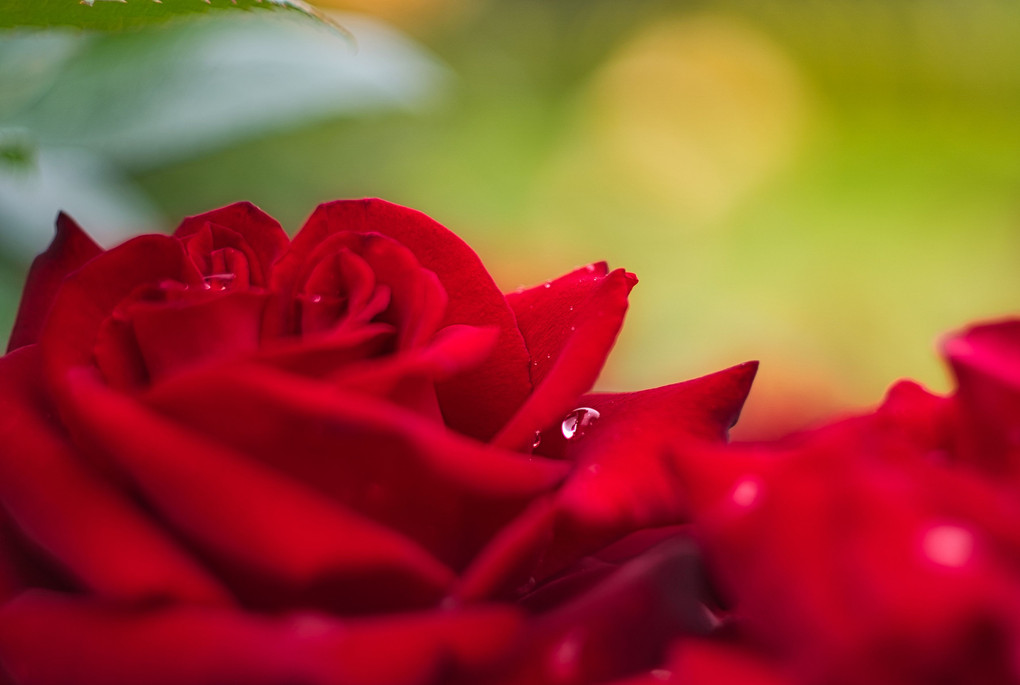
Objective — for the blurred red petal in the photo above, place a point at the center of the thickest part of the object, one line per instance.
(281, 541)
(446, 491)
(90, 295)
(65, 507)
(70, 249)
(49, 639)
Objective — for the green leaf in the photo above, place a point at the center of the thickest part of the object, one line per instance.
(144, 98)
(120, 15)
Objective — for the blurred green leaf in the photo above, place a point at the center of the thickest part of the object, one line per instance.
(119, 15)
(147, 98)
(108, 205)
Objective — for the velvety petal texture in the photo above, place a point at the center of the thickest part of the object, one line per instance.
(476, 403)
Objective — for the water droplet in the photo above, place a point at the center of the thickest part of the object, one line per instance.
(537, 440)
(746, 492)
(576, 422)
(950, 546)
(571, 307)
(316, 298)
(527, 586)
(548, 356)
(573, 328)
(547, 285)
(590, 268)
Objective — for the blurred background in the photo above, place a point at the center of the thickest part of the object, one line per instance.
(824, 185)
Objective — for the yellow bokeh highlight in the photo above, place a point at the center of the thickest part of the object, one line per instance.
(697, 113)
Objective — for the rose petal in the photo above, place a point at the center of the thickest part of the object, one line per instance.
(70, 249)
(596, 324)
(417, 302)
(62, 505)
(322, 355)
(90, 295)
(446, 491)
(284, 542)
(887, 579)
(476, 403)
(505, 564)
(454, 350)
(48, 639)
(408, 378)
(986, 362)
(23, 565)
(626, 478)
(623, 625)
(214, 327)
(700, 662)
(261, 236)
(545, 314)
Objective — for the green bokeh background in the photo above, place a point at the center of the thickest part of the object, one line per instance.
(824, 185)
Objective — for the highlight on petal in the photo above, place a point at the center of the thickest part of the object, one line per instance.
(52, 639)
(281, 542)
(900, 555)
(576, 367)
(476, 403)
(70, 249)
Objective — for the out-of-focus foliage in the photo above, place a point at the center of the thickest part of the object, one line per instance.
(822, 184)
(74, 131)
(120, 15)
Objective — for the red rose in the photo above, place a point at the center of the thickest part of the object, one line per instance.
(881, 549)
(228, 457)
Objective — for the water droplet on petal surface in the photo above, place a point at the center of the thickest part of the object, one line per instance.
(527, 587)
(537, 441)
(576, 422)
